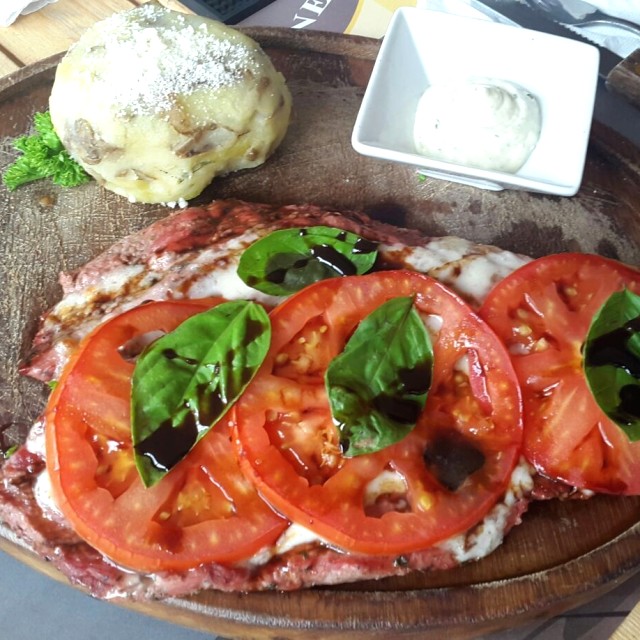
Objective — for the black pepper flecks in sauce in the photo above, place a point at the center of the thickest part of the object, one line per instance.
(452, 458)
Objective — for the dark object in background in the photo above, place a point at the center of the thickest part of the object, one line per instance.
(227, 11)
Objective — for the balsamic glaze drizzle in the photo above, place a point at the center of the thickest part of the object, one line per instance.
(325, 254)
(333, 259)
(612, 349)
(414, 381)
(169, 443)
(452, 458)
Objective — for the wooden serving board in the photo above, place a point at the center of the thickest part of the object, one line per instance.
(563, 555)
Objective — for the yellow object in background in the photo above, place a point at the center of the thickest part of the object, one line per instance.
(371, 17)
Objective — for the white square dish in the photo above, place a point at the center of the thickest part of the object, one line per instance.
(424, 47)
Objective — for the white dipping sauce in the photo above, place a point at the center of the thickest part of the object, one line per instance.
(481, 123)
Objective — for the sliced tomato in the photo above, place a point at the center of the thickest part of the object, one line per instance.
(543, 312)
(203, 510)
(403, 497)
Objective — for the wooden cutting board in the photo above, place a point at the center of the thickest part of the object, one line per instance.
(564, 553)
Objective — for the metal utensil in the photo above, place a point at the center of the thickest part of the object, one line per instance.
(582, 14)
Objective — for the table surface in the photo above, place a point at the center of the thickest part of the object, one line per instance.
(59, 606)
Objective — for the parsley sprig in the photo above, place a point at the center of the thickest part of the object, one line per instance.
(43, 156)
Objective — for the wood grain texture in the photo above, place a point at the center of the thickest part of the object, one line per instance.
(630, 628)
(564, 554)
(60, 24)
(7, 65)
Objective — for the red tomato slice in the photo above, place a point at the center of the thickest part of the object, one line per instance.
(542, 312)
(204, 510)
(391, 501)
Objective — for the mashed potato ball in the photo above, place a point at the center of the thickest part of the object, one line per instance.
(154, 103)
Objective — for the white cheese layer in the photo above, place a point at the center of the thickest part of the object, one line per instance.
(474, 544)
(107, 289)
(487, 535)
(469, 269)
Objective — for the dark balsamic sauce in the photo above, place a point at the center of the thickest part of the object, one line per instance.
(211, 404)
(628, 410)
(325, 254)
(278, 276)
(171, 354)
(613, 349)
(414, 381)
(333, 259)
(417, 380)
(364, 246)
(402, 410)
(452, 458)
(167, 445)
(253, 329)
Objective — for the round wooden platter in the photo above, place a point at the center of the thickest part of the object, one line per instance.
(564, 553)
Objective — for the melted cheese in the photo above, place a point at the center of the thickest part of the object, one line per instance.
(474, 276)
(107, 289)
(487, 535)
(388, 482)
(474, 544)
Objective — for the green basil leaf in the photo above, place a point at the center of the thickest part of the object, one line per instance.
(288, 260)
(612, 360)
(378, 385)
(186, 380)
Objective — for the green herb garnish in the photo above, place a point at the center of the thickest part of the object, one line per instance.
(43, 156)
(378, 385)
(185, 381)
(10, 451)
(612, 360)
(288, 260)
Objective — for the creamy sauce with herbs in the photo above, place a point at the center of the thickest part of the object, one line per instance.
(482, 123)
